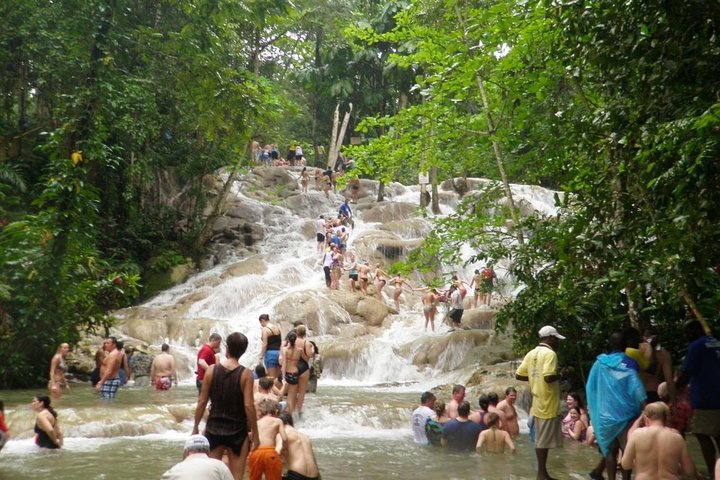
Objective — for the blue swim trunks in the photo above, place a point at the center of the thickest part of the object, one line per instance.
(109, 388)
(272, 359)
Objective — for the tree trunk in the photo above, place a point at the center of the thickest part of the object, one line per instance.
(341, 135)
(381, 191)
(698, 314)
(491, 130)
(256, 52)
(435, 196)
(333, 134)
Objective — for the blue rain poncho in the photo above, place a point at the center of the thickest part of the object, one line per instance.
(614, 395)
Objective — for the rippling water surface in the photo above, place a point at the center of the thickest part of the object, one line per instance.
(357, 432)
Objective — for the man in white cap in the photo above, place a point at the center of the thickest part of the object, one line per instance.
(196, 464)
(539, 367)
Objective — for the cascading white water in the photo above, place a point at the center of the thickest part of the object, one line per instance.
(292, 266)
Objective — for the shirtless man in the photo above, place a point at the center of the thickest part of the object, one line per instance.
(364, 274)
(264, 392)
(657, 452)
(162, 370)
(507, 406)
(430, 300)
(299, 456)
(493, 440)
(458, 395)
(265, 459)
(109, 378)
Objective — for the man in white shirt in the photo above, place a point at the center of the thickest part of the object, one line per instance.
(456, 307)
(420, 417)
(196, 464)
(320, 233)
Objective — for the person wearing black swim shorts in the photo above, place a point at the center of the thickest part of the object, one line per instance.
(232, 418)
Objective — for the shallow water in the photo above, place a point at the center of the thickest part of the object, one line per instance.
(357, 432)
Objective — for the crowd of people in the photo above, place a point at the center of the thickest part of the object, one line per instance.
(325, 180)
(250, 420)
(636, 422)
(251, 412)
(333, 234)
(116, 364)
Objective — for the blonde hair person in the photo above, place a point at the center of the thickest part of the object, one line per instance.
(58, 368)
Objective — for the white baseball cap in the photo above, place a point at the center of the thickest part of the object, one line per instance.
(548, 331)
(197, 442)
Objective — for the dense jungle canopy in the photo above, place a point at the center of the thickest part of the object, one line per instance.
(106, 103)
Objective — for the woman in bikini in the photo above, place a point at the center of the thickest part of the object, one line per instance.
(58, 368)
(304, 364)
(270, 351)
(380, 282)
(364, 272)
(292, 353)
(336, 268)
(494, 440)
(399, 281)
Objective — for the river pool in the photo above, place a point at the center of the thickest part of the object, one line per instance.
(357, 432)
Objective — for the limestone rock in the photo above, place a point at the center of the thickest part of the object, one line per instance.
(373, 311)
(413, 227)
(155, 330)
(316, 311)
(250, 266)
(387, 212)
(381, 245)
(325, 312)
(276, 178)
(309, 205)
(478, 318)
(244, 211)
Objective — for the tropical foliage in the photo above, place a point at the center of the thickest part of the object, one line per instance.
(615, 105)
